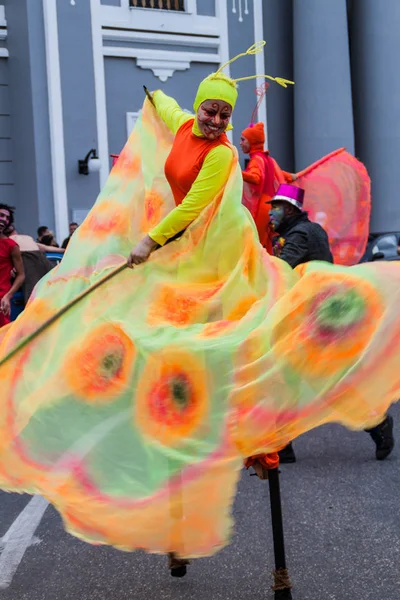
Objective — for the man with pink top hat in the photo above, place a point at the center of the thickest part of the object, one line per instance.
(300, 240)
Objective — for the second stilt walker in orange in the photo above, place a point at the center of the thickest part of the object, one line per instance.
(262, 176)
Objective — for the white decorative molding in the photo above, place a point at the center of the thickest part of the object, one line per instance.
(100, 90)
(191, 7)
(162, 63)
(167, 21)
(162, 38)
(56, 119)
(260, 63)
(4, 53)
(163, 69)
(165, 27)
(237, 8)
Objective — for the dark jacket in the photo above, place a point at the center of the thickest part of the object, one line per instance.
(66, 242)
(304, 241)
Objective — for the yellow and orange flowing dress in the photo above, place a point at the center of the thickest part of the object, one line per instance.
(131, 408)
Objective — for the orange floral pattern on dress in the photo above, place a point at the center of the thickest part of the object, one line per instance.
(215, 329)
(331, 318)
(128, 163)
(35, 314)
(109, 218)
(242, 308)
(133, 523)
(252, 362)
(153, 210)
(181, 305)
(101, 366)
(172, 397)
(7, 385)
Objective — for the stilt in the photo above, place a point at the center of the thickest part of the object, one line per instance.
(177, 566)
(282, 586)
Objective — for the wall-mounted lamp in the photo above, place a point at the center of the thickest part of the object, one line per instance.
(90, 164)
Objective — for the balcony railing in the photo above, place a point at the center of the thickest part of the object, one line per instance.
(159, 4)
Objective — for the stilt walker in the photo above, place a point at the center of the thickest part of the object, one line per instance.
(164, 380)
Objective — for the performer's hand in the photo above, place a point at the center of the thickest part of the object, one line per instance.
(142, 251)
(5, 305)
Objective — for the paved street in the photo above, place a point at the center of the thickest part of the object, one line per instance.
(342, 525)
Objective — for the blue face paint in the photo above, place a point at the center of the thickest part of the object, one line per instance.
(276, 216)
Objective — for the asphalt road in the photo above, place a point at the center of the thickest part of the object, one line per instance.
(342, 527)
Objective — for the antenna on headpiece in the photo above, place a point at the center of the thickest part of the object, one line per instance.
(260, 91)
(254, 49)
(280, 80)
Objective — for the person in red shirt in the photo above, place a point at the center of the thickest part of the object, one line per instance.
(10, 260)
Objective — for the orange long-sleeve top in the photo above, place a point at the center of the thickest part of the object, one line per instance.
(196, 168)
(253, 174)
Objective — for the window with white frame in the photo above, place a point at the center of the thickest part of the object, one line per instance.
(178, 5)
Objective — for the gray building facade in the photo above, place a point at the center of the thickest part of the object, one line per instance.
(72, 75)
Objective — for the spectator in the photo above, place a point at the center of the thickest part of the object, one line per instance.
(48, 239)
(26, 242)
(35, 262)
(42, 230)
(46, 236)
(10, 260)
(72, 228)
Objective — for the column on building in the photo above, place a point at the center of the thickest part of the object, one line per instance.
(323, 92)
(78, 90)
(375, 58)
(29, 115)
(278, 33)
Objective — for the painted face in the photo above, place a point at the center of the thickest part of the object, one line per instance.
(4, 219)
(213, 118)
(276, 215)
(245, 145)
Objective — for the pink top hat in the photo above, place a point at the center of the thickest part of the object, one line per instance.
(289, 193)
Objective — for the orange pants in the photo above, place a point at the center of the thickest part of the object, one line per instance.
(269, 461)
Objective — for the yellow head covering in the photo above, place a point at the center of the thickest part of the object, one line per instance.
(216, 87)
(219, 86)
